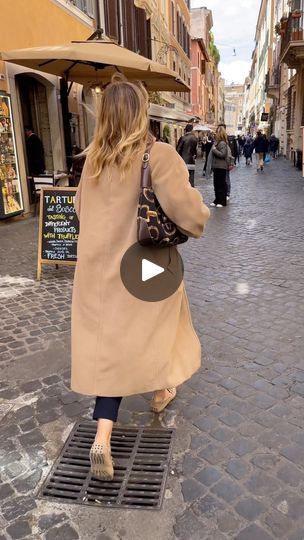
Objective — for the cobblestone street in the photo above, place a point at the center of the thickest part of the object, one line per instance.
(238, 462)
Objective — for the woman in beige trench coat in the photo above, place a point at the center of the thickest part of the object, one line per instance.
(122, 345)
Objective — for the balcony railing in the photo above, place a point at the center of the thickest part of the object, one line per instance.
(275, 74)
(272, 81)
(292, 28)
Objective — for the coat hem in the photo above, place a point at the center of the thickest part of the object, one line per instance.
(141, 390)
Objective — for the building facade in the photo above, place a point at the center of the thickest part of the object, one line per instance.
(35, 97)
(207, 95)
(292, 59)
(158, 29)
(201, 24)
(278, 59)
(221, 99)
(234, 101)
(278, 81)
(258, 102)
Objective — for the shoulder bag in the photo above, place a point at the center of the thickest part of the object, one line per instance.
(154, 228)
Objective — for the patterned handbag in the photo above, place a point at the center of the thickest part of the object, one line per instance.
(154, 228)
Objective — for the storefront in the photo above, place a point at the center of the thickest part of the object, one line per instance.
(35, 101)
(169, 123)
(11, 201)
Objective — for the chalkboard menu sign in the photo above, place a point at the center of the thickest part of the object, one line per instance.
(58, 228)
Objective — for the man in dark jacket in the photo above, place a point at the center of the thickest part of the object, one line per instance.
(209, 144)
(35, 152)
(260, 146)
(187, 149)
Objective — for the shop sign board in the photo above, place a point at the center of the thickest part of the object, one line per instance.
(11, 203)
(264, 117)
(58, 227)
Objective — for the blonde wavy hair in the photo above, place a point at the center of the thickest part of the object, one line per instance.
(221, 135)
(122, 126)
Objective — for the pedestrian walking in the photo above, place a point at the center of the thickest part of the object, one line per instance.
(274, 146)
(203, 139)
(208, 146)
(35, 152)
(187, 149)
(241, 142)
(259, 146)
(122, 345)
(266, 146)
(247, 151)
(218, 162)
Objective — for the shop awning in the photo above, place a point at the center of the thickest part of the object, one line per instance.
(93, 62)
(172, 116)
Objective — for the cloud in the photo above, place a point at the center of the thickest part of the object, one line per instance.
(235, 71)
(234, 28)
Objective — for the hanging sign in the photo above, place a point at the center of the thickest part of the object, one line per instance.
(264, 117)
(58, 227)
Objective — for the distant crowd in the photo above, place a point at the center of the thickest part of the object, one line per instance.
(222, 152)
(243, 146)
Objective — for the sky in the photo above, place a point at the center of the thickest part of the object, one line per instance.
(234, 28)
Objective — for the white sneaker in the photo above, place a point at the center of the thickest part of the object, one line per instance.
(219, 206)
(212, 204)
(228, 198)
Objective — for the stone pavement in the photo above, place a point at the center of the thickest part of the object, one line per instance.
(238, 465)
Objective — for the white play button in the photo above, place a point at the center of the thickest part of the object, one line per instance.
(150, 270)
(140, 265)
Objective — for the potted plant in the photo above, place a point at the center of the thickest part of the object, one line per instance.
(283, 24)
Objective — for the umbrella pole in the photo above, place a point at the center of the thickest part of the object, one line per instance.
(64, 92)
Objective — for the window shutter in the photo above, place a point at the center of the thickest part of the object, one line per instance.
(289, 107)
(128, 15)
(173, 18)
(141, 31)
(149, 39)
(181, 31)
(112, 19)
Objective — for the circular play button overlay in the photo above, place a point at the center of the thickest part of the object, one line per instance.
(151, 274)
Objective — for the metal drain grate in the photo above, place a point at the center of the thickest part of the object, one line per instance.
(141, 458)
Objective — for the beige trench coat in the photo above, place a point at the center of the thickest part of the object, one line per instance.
(122, 345)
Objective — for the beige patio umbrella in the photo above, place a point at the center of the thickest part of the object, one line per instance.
(93, 62)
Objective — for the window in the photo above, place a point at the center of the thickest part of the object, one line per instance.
(178, 26)
(112, 16)
(173, 17)
(84, 5)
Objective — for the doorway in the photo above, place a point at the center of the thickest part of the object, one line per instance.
(34, 110)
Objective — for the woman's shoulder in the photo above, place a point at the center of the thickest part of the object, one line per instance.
(164, 154)
(163, 148)
(164, 151)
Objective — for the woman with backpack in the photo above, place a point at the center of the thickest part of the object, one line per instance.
(218, 161)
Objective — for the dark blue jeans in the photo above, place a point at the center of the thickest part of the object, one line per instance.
(107, 408)
(228, 182)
